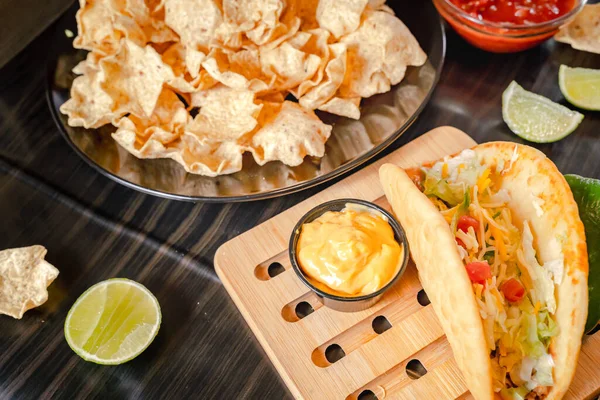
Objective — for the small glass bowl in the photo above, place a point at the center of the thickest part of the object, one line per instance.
(501, 37)
(341, 303)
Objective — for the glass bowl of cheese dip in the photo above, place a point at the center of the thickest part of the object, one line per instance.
(349, 252)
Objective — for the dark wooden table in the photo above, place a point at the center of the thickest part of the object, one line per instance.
(96, 229)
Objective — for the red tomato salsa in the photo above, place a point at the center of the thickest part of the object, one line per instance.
(518, 12)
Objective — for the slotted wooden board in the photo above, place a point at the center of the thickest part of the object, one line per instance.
(375, 362)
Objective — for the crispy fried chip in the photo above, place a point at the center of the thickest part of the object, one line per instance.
(290, 135)
(343, 107)
(306, 10)
(102, 24)
(186, 64)
(313, 42)
(340, 17)
(166, 124)
(194, 21)
(583, 32)
(135, 77)
(90, 106)
(196, 155)
(164, 136)
(378, 54)
(225, 113)
(240, 70)
(288, 65)
(24, 277)
(334, 76)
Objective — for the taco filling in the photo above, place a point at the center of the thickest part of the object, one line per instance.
(514, 291)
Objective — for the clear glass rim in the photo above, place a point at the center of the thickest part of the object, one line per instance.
(456, 11)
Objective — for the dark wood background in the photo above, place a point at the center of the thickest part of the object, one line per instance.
(96, 229)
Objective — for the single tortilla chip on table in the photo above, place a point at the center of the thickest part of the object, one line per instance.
(583, 32)
(24, 277)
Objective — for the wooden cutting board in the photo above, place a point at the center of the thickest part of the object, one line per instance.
(396, 349)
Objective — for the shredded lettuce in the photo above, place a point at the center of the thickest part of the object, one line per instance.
(450, 193)
(518, 393)
(543, 371)
(543, 286)
(462, 210)
(451, 178)
(546, 326)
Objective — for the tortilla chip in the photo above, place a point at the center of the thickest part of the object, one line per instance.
(24, 277)
(195, 155)
(188, 77)
(334, 76)
(343, 107)
(151, 20)
(169, 119)
(164, 135)
(90, 106)
(306, 10)
(96, 28)
(252, 13)
(314, 43)
(102, 24)
(240, 70)
(583, 32)
(225, 114)
(340, 17)
(289, 136)
(287, 28)
(378, 54)
(288, 65)
(135, 77)
(194, 21)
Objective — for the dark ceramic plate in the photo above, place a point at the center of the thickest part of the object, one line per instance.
(384, 118)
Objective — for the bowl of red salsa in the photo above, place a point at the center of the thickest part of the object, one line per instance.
(505, 26)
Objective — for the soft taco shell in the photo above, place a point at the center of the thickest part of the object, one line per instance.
(540, 195)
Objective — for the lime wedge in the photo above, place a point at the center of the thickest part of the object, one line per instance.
(536, 118)
(113, 322)
(580, 86)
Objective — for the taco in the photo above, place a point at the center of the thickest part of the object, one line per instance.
(496, 237)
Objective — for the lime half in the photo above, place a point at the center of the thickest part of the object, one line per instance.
(113, 322)
(580, 86)
(536, 118)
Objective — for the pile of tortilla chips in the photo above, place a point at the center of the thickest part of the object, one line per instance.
(203, 81)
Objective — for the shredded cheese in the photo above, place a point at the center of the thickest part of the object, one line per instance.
(499, 243)
(484, 180)
(445, 170)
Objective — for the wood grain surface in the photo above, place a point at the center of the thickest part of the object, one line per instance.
(22, 20)
(95, 229)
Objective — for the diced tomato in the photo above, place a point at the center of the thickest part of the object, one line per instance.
(513, 290)
(461, 243)
(479, 271)
(465, 221)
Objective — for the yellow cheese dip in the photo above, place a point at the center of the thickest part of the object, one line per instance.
(350, 252)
